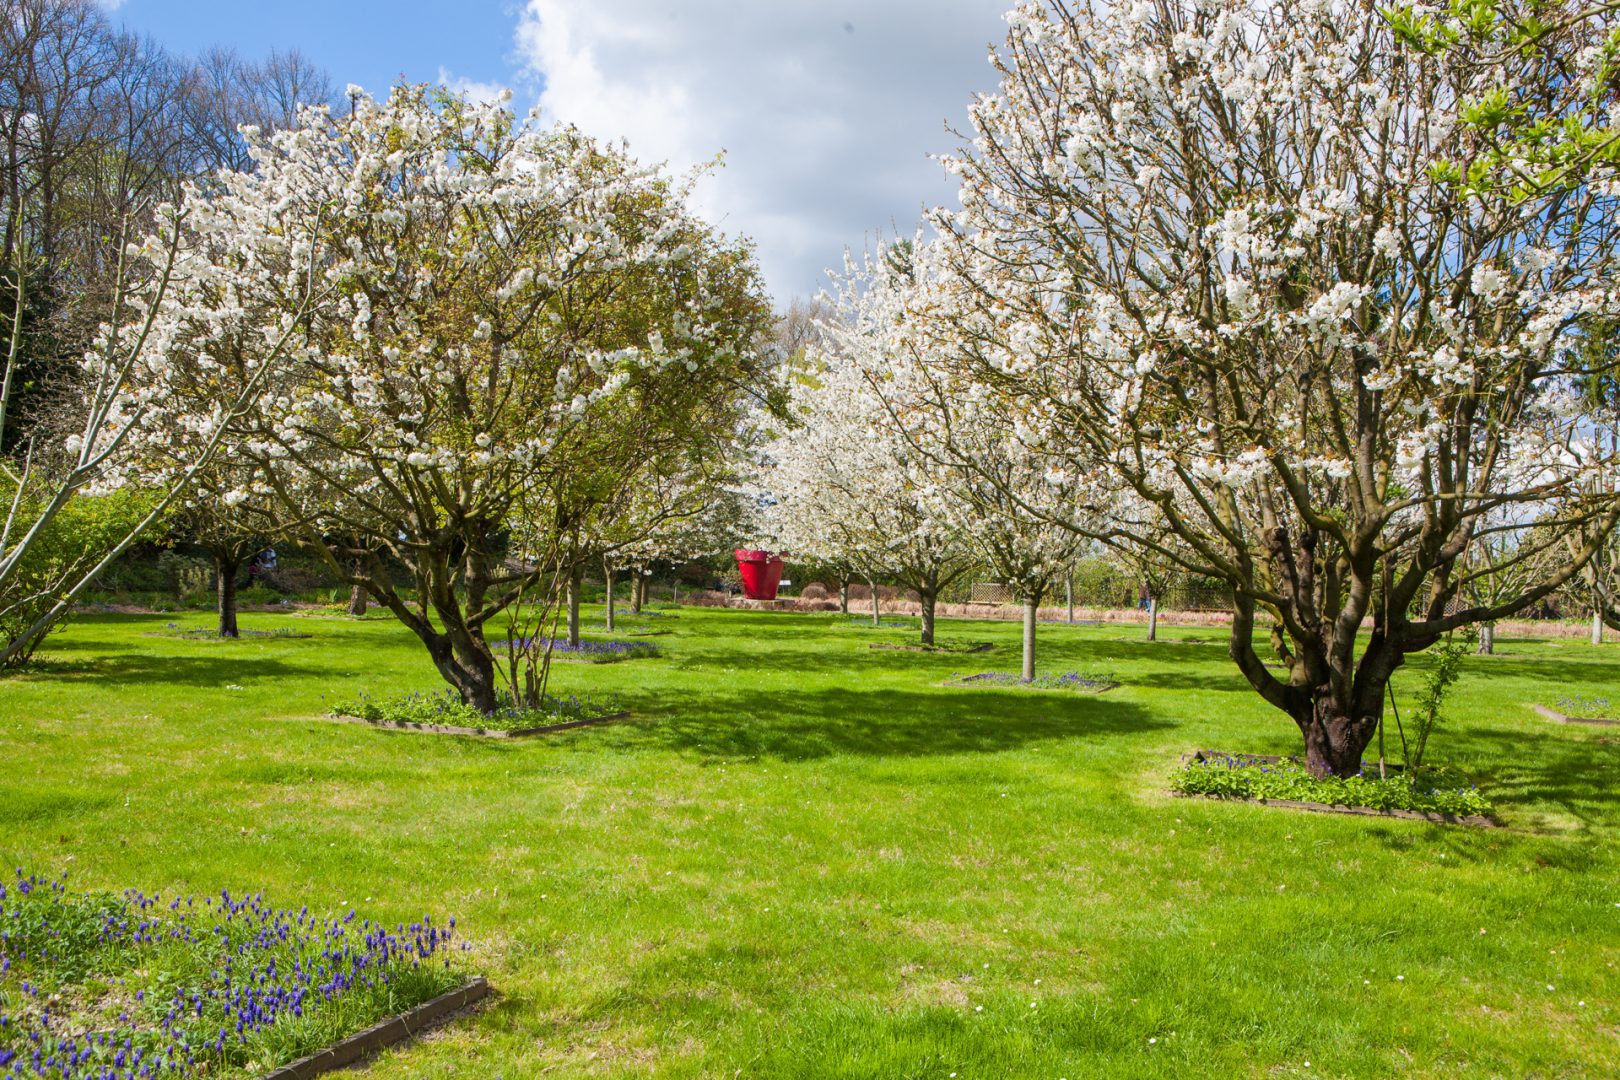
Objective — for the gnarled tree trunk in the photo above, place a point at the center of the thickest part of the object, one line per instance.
(1153, 618)
(357, 600)
(1487, 639)
(466, 664)
(928, 600)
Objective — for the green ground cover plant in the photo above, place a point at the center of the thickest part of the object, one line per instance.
(1243, 777)
(803, 858)
(446, 709)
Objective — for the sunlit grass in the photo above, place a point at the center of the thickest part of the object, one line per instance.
(802, 857)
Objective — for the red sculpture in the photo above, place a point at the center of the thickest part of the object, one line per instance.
(761, 573)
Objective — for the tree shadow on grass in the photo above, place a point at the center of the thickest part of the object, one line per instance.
(879, 723)
(1203, 682)
(124, 666)
(1566, 673)
(1529, 773)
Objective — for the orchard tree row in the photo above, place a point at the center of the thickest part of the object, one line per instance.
(1313, 298)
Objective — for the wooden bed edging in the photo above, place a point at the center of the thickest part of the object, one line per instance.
(487, 733)
(383, 1034)
(1558, 717)
(976, 647)
(1478, 821)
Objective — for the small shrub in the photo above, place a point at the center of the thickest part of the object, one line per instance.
(814, 591)
(191, 579)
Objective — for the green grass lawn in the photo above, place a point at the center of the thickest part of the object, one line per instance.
(804, 857)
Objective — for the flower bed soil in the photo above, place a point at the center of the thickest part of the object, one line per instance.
(385, 1033)
(1559, 718)
(487, 733)
(205, 634)
(1479, 821)
(967, 647)
(1072, 682)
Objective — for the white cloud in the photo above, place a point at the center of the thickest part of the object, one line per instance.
(481, 92)
(826, 114)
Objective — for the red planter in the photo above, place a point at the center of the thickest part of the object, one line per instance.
(761, 573)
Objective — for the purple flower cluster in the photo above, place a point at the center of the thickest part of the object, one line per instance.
(95, 986)
(1069, 680)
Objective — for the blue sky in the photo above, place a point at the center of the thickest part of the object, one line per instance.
(356, 41)
(826, 110)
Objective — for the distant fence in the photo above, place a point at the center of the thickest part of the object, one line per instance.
(991, 592)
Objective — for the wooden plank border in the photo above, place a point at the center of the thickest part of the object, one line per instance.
(383, 1034)
(484, 733)
(1558, 717)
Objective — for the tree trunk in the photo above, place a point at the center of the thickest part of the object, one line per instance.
(1487, 639)
(225, 575)
(1068, 597)
(876, 618)
(1032, 608)
(358, 600)
(1597, 626)
(607, 578)
(469, 669)
(928, 599)
(638, 591)
(1153, 618)
(1334, 742)
(575, 579)
(843, 595)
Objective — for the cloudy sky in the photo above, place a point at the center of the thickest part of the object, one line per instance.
(826, 111)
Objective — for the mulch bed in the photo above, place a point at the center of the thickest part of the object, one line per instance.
(383, 1034)
(969, 647)
(1558, 717)
(1007, 680)
(1271, 759)
(204, 634)
(487, 733)
(1479, 821)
